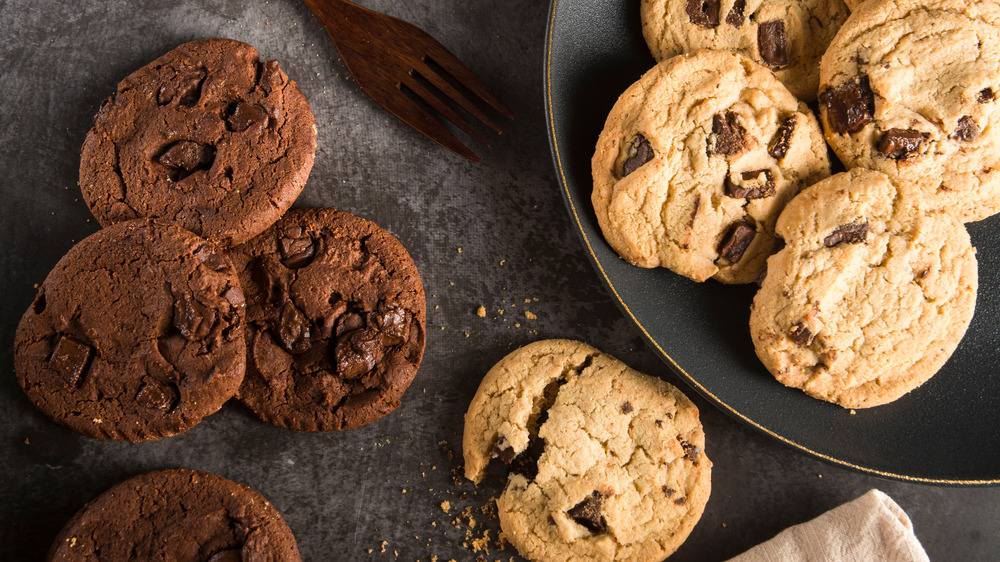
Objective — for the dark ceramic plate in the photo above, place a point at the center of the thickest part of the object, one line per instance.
(945, 432)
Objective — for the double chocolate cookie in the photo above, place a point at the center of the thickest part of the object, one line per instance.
(606, 463)
(136, 334)
(871, 294)
(335, 321)
(208, 136)
(177, 514)
(787, 36)
(909, 88)
(696, 161)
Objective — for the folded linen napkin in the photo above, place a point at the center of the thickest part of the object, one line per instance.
(872, 527)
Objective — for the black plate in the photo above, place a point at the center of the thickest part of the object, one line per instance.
(945, 432)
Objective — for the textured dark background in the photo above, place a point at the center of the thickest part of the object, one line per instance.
(493, 234)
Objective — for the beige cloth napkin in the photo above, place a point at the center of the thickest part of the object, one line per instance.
(870, 528)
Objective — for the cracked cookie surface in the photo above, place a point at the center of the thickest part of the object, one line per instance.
(136, 333)
(208, 136)
(787, 36)
(909, 88)
(870, 296)
(335, 321)
(696, 161)
(177, 514)
(607, 463)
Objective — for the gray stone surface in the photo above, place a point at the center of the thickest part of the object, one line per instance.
(493, 234)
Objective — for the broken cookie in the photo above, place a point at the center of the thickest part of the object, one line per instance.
(605, 442)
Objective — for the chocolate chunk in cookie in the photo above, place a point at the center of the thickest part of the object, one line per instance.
(736, 241)
(730, 136)
(985, 95)
(849, 107)
(588, 513)
(900, 143)
(736, 15)
(772, 43)
(854, 233)
(177, 514)
(755, 184)
(967, 129)
(140, 336)
(704, 13)
(639, 152)
(336, 321)
(208, 136)
(778, 147)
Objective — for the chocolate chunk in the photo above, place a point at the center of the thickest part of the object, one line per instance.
(156, 395)
(627, 408)
(967, 129)
(691, 451)
(680, 501)
(297, 248)
(801, 335)
(270, 76)
(730, 136)
(899, 143)
(737, 241)
(849, 107)
(193, 318)
(394, 324)
(772, 44)
(639, 152)
(358, 352)
(668, 490)
(349, 322)
(850, 233)
(778, 147)
(985, 95)
(755, 184)
(69, 359)
(245, 115)
(211, 258)
(694, 210)
(185, 88)
(704, 12)
(736, 17)
(293, 329)
(188, 156)
(502, 451)
(588, 513)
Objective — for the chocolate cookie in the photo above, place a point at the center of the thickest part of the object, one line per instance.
(909, 88)
(177, 514)
(787, 36)
(606, 463)
(696, 161)
(136, 334)
(208, 136)
(871, 294)
(335, 321)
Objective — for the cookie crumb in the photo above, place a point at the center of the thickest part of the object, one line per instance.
(530, 315)
(384, 544)
(481, 312)
(500, 311)
(460, 249)
(446, 506)
(853, 412)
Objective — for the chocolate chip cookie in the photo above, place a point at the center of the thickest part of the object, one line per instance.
(335, 321)
(909, 88)
(871, 294)
(177, 514)
(207, 135)
(606, 463)
(787, 36)
(695, 162)
(136, 334)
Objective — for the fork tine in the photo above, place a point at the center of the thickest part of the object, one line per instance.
(415, 116)
(453, 94)
(443, 109)
(450, 63)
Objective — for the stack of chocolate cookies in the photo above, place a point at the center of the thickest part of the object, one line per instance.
(204, 286)
(713, 165)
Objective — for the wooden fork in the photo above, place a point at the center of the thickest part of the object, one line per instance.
(386, 55)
